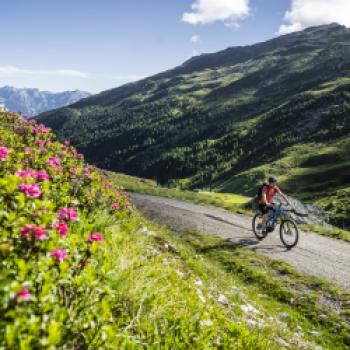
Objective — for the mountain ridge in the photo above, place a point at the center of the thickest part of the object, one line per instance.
(33, 101)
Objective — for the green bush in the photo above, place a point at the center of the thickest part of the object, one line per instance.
(51, 204)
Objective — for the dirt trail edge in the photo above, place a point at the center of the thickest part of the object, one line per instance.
(315, 255)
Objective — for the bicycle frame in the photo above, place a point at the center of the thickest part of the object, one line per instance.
(277, 213)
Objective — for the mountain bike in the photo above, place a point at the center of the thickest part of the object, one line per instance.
(289, 232)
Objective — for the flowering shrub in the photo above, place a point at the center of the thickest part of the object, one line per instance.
(49, 202)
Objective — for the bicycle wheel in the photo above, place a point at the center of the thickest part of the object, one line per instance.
(289, 233)
(257, 227)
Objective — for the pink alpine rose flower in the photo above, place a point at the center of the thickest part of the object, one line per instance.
(4, 152)
(40, 143)
(106, 185)
(67, 214)
(26, 173)
(54, 162)
(60, 254)
(61, 227)
(33, 230)
(86, 172)
(30, 190)
(27, 230)
(42, 175)
(115, 205)
(95, 237)
(20, 129)
(27, 150)
(24, 293)
(41, 129)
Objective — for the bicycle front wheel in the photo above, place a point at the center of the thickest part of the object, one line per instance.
(289, 233)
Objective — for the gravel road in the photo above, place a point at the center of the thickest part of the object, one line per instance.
(315, 255)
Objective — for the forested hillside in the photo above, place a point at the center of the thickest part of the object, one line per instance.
(229, 118)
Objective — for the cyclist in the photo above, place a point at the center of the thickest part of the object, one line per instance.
(268, 192)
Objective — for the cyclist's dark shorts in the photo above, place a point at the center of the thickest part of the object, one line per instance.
(265, 208)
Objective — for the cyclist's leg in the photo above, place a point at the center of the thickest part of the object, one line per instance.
(264, 210)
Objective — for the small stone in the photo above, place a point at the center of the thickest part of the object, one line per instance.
(179, 273)
(198, 282)
(151, 234)
(249, 308)
(223, 300)
(206, 323)
(282, 342)
(200, 295)
(252, 322)
(323, 316)
(284, 314)
(315, 333)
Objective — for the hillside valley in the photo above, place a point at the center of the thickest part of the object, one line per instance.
(226, 120)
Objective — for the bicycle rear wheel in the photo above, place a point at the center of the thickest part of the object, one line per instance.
(257, 227)
(289, 233)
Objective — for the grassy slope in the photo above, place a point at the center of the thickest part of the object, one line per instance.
(194, 290)
(313, 171)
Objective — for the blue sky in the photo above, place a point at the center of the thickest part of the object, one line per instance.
(99, 44)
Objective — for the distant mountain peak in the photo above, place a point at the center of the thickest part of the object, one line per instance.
(33, 101)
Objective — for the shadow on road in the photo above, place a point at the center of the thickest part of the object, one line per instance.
(252, 243)
(217, 218)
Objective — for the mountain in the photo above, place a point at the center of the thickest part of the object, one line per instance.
(34, 101)
(230, 118)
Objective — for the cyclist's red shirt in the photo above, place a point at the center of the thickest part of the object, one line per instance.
(270, 193)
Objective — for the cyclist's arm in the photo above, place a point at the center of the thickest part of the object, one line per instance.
(264, 198)
(283, 196)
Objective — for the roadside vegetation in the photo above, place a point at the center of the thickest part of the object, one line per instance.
(229, 201)
(233, 202)
(329, 231)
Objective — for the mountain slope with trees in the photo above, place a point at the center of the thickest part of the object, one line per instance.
(228, 118)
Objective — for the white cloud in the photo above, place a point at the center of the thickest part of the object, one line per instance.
(8, 70)
(306, 13)
(195, 39)
(63, 79)
(13, 70)
(210, 11)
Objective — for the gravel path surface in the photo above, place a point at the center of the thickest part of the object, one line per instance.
(315, 255)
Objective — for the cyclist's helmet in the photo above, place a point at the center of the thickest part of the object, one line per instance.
(273, 180)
